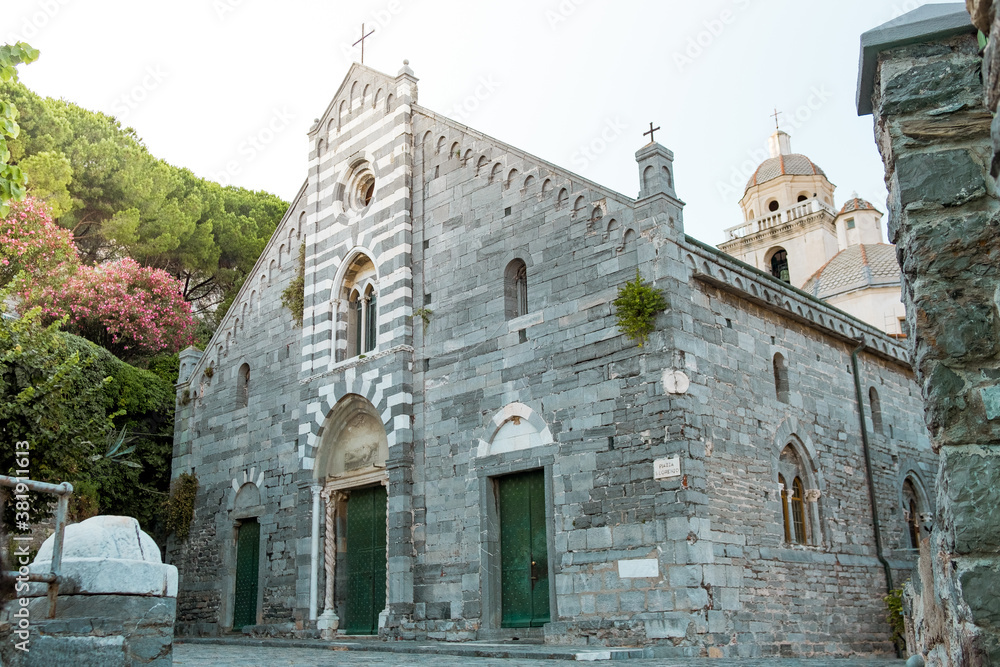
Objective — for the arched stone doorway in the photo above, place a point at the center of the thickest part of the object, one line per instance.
(350, 470)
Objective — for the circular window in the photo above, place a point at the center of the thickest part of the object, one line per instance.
(360, 186)
(773, 205)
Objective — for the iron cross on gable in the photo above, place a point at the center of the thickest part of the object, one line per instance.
(650, 133)
(362, 41)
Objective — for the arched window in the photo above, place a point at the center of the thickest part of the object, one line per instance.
(794, 512)
(515, 289)
(780, 377)
(357, 321)
(243, 386)
(779, 265)
(876, 406)
(912, 509)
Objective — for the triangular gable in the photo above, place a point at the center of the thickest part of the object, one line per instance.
(356, 74)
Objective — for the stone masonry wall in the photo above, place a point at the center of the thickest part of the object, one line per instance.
(225, 443)
(784, 599)
(934, 135)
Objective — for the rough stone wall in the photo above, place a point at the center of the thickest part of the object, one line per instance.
(224, 443)
(766, 601)
(768, 597)
(934, 135)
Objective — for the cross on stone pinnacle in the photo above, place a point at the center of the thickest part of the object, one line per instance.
(651, 130)
(362, 41)
(776, 114)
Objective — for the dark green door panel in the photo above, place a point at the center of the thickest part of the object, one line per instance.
(366, 524)
(524, 559)
(247, 566)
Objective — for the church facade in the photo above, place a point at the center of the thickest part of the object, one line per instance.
(457, 442)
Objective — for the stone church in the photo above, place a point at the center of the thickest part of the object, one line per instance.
(458, 443)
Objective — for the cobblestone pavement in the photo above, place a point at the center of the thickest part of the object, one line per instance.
(202, 655)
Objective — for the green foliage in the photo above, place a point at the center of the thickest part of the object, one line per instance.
(66, 396)
(425, 315)
(132, 479)
(180, 505)
(12, 178)
(85, 501)
(166, 366)
(636, 307)
(51, 173)
(52, 396)
(894, 615)
(294, 296)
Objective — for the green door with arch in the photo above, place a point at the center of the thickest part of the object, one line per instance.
(247, 571)
(366, 538)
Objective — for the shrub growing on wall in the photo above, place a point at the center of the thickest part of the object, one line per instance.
(180, 506)
(636, 308)
(294, 296)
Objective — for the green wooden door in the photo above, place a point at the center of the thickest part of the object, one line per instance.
(365, 560)
(247, 566)
(524, 557)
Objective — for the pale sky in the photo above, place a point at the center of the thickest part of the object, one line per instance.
(206, 83)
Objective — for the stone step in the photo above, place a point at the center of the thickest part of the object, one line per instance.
(476, 649)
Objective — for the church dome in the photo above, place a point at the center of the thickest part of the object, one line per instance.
(857, 267)
(856, 203)
(789, 164)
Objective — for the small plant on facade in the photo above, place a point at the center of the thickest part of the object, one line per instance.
(186, 397)
(894, 615)
(209, 372)
(636, 307)
(425, 315)
(180, 505)
(294, 296)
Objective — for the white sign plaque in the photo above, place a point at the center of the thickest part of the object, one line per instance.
(638, 568)
(667, 468)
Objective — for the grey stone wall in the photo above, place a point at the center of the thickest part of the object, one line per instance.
(225, 443)
(943, 206)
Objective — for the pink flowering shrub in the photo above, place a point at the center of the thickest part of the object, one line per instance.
(32, 243)
(131, 310)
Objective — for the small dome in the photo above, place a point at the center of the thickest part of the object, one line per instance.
(856, 203)
(790, 164)
(857, 267)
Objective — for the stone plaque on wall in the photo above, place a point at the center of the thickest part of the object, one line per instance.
(667, 468)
